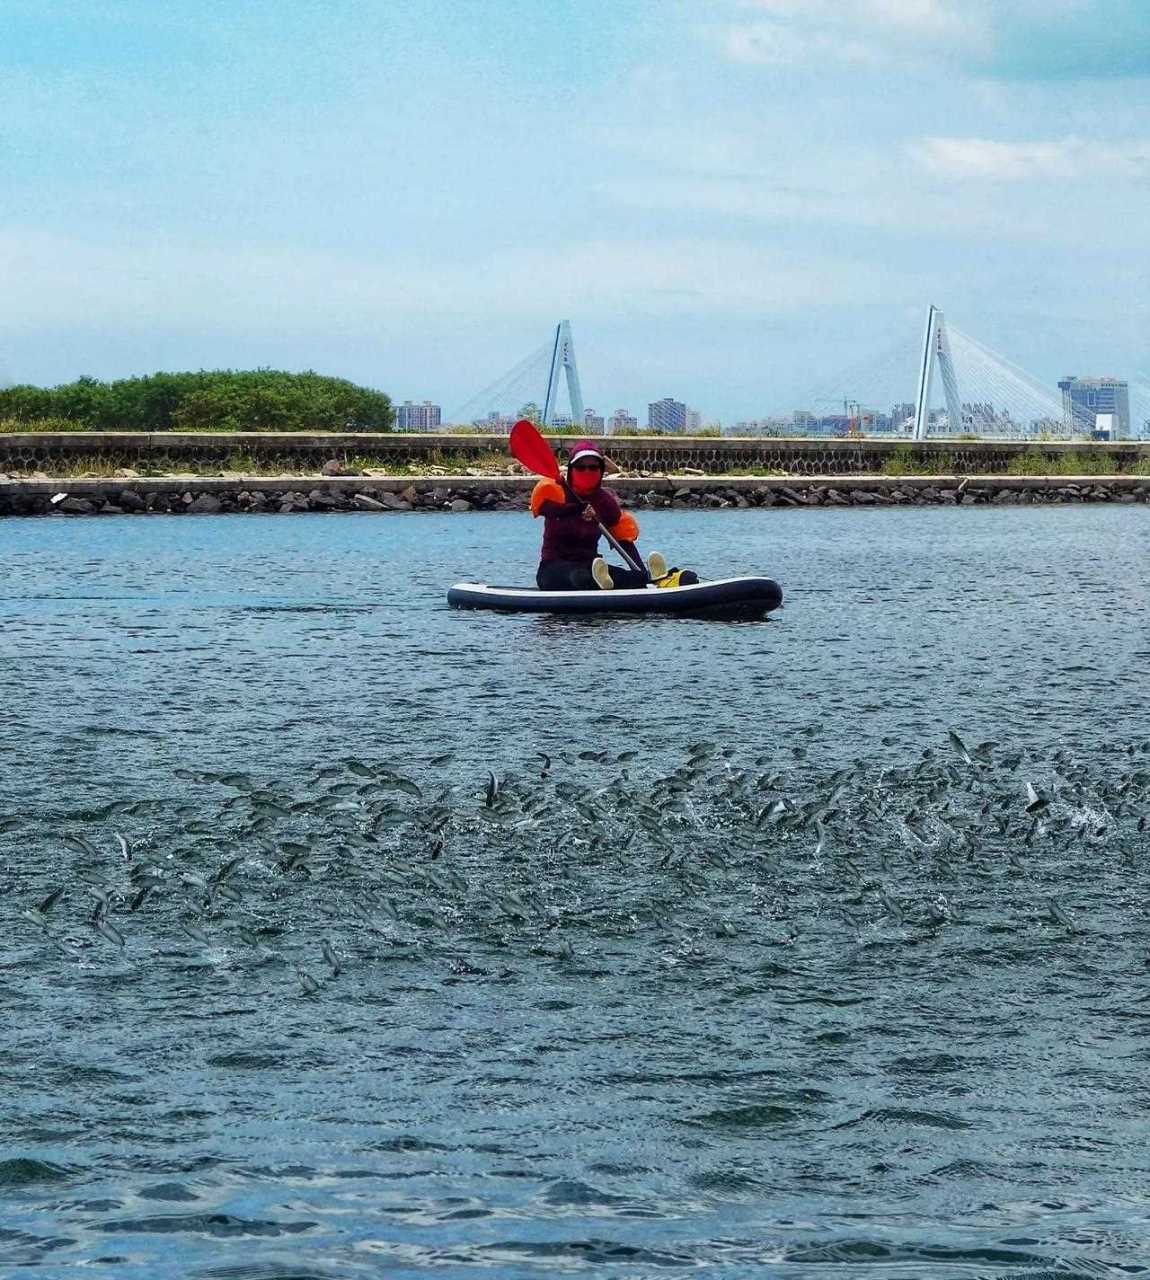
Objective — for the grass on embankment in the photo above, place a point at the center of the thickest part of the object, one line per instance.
(905, 461)
(101, 466)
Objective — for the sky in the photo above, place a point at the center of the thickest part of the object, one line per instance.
(744, 204)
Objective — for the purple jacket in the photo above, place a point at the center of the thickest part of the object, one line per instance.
(569, 536)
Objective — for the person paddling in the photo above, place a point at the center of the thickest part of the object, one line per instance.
(572, 513)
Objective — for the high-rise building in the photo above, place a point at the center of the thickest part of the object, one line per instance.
(593, 422)
(1083, 399)
(621, 421)
(694, 420)
(495, 422)
(902, 416)
(418, 417)
(667, 415)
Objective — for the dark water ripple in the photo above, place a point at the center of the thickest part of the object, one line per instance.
(900, 1029)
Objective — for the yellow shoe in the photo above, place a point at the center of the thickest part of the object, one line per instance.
(602, 574)
(656, 566)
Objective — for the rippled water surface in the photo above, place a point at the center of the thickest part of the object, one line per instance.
(394, 941)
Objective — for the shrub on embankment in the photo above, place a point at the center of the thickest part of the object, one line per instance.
(1080, 462)
(210, 400)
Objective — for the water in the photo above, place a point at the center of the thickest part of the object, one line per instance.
(810, 1043)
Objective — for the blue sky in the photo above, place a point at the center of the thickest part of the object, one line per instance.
(734, 201)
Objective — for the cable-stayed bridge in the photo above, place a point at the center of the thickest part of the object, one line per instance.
(532, 388)
(997, 399)
(960, 387)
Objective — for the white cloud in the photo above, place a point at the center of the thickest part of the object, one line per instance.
(929, 17)
(54, 281)
(1022, 39)
(858, 32)
(774, 44)
(1065, 160)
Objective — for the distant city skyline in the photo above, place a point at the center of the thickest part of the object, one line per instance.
(1083, 398)
(998, 393)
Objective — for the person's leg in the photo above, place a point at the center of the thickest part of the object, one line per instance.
(601, 573)
(563, 575)
(627, 577)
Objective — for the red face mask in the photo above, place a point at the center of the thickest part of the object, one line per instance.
(585, 480)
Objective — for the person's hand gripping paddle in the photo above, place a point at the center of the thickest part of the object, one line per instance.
(530, 449)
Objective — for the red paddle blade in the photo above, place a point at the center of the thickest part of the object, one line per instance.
(529, 448)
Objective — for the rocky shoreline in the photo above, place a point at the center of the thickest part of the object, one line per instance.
(173, 495)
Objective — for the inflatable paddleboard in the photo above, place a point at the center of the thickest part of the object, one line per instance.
(729, 597)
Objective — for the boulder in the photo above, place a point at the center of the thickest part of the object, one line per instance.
(76, 506)
(364, 503)
(393, 502)
(130, 500)
(206, 504)
(334, 467)
(461, 504)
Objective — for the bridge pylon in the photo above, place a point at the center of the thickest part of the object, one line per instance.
(563, 361)
(936, 350)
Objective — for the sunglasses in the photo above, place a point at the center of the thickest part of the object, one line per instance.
(586, 466)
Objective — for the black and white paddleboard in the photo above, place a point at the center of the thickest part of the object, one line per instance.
(728, 597)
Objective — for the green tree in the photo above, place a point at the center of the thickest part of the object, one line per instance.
(210, 400)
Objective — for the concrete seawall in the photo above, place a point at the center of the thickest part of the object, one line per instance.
(263, 494)
(265, 452)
